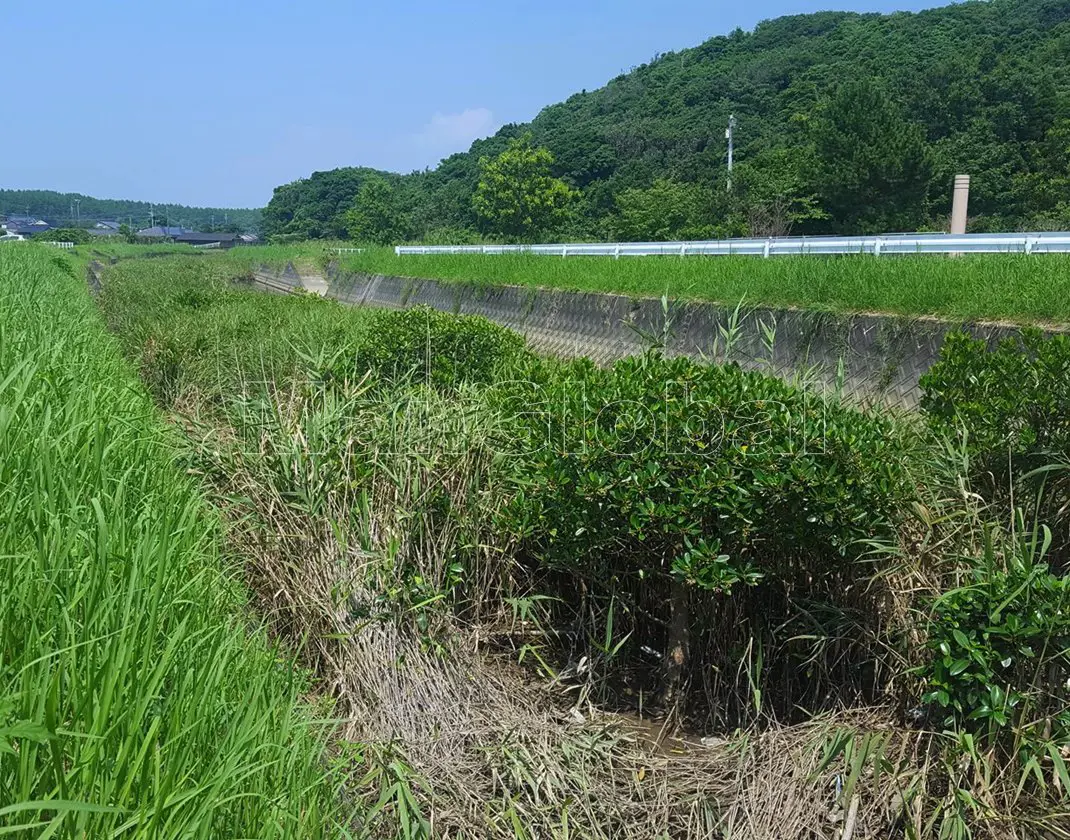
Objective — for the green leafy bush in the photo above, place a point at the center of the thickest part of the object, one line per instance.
(436, 347)
(1014, 398)
(674, 462)
(1009, 408)
(75, 235)
(999, 646)
(710, 502)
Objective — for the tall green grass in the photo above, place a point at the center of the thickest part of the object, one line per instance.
(193, 328)
(136, 697)
(126, 250)
(312, 255)
(1006, 287)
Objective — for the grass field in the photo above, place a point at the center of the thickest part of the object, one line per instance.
(137, 696)
(995, 287)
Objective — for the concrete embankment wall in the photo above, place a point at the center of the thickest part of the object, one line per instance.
(872, 358)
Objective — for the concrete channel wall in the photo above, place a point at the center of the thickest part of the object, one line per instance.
(876, 359)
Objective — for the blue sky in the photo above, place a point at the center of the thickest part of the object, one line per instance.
(215, 104)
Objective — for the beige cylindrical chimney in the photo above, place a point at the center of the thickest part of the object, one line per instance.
(959, 203)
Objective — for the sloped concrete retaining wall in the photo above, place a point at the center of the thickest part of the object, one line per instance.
(871, 358)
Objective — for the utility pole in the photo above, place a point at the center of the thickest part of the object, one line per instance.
(78, 211)
(152, 216)
(730, 135)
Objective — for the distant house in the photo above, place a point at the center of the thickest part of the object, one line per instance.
(160, 232)
(223, 240)
(248, 239)
(104, 229)
(26, 225)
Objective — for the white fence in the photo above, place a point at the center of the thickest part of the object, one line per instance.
(64, 245)
(899, 243)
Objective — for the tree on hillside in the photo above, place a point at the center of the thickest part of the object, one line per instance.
(667, 210)
(774, 194)
(517, 196)
(377, 214)
(314, 207)
(1045, 185)
(872, 167)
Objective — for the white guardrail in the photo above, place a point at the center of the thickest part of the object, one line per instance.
(898, 243)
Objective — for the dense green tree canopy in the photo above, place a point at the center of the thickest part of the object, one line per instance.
(517, 197)
(377, 214)
(872, 166)
(846, 122)
(315, 207)
(664, 210)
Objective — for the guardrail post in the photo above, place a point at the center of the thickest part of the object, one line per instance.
(616, 252)
(877, 247)
(960, 198)
(768, 245)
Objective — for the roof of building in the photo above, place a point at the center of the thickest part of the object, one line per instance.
(161, 232)
(22, 227)
(108, 225)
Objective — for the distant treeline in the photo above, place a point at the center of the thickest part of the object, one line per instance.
(846, 123)
(61, 209)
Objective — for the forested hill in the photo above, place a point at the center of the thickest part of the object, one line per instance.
(59, 209)
(845, 123)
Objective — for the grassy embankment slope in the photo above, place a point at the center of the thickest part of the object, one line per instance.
(136, 695)
(1012, 287)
